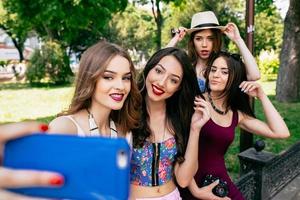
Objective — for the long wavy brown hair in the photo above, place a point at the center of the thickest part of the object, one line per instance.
(217, 44)
(92, 64)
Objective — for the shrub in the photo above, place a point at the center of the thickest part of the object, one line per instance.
(50, 65)
(268, 64)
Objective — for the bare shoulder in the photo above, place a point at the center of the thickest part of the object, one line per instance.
(62, 125)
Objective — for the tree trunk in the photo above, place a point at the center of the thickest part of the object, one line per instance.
(20, 48)
(158, 20)
(19, 44)
(288, 82)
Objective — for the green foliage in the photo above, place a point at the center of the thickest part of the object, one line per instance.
(264, 5)
(3, 63)
(268, 64)
(75, 24)
(17, 30)
(268, 31)
(50, 65)
(133, 29)
(159, 15)
(36, 69)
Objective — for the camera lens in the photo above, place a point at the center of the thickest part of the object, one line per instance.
(220, 191)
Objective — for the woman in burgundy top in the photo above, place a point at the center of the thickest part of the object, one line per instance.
(228, 93)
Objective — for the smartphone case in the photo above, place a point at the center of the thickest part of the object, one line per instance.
(93, 167)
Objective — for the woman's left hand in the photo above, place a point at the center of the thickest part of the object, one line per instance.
(252, 88)
(201, 114)
(13, 178)
(232, 32)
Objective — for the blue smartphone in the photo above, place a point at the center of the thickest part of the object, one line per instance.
(93, 167)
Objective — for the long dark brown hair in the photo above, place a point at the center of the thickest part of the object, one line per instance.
(235, 99)
(217, 44)
(179, 107)
(92, 64)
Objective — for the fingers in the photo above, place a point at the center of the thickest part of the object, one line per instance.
(231, 24)
(214, 184)
(248, 86)
(180, 32)
(201, 105)
(29, 178)
(4, 195)
(15, 130)
(9, 195)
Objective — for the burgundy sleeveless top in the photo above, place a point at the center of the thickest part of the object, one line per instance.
(213, 144)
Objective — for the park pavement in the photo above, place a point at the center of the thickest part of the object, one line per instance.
(290, 192)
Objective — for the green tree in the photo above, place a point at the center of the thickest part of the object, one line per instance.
(268, 27)
(50, 64)
(158, 15)
(16, 31)
(75, 24)
(133, 29)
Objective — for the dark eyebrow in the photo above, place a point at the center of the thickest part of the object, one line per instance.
(161, 66)
(165, 70)
(221, 67)
(112, 72)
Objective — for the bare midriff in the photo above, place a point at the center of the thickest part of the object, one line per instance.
(151, 191)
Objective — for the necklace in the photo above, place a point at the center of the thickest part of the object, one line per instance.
(215, 108)
(94, 130)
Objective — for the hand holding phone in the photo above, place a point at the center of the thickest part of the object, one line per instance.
(93, 167)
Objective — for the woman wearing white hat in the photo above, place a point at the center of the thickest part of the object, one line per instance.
(206, 37)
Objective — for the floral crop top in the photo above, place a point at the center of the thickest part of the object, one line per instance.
(152, 165)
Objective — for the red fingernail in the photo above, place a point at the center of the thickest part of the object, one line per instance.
(44, 127)
(56, 180)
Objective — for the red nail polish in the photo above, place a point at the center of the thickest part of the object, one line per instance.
(56, 180)
(44, 127)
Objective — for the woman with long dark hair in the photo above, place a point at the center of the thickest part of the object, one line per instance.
(228, 95)
(165, 145)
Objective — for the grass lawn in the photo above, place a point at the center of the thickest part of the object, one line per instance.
(19, 102)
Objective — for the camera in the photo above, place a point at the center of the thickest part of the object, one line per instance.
(220, 190)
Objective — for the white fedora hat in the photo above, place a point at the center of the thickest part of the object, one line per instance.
(204, 20)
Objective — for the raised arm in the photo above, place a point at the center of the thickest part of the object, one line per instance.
(232, 32)
(179, 35)
(185, 171)
(274, 127)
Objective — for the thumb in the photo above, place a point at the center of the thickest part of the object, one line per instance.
(214, 184)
